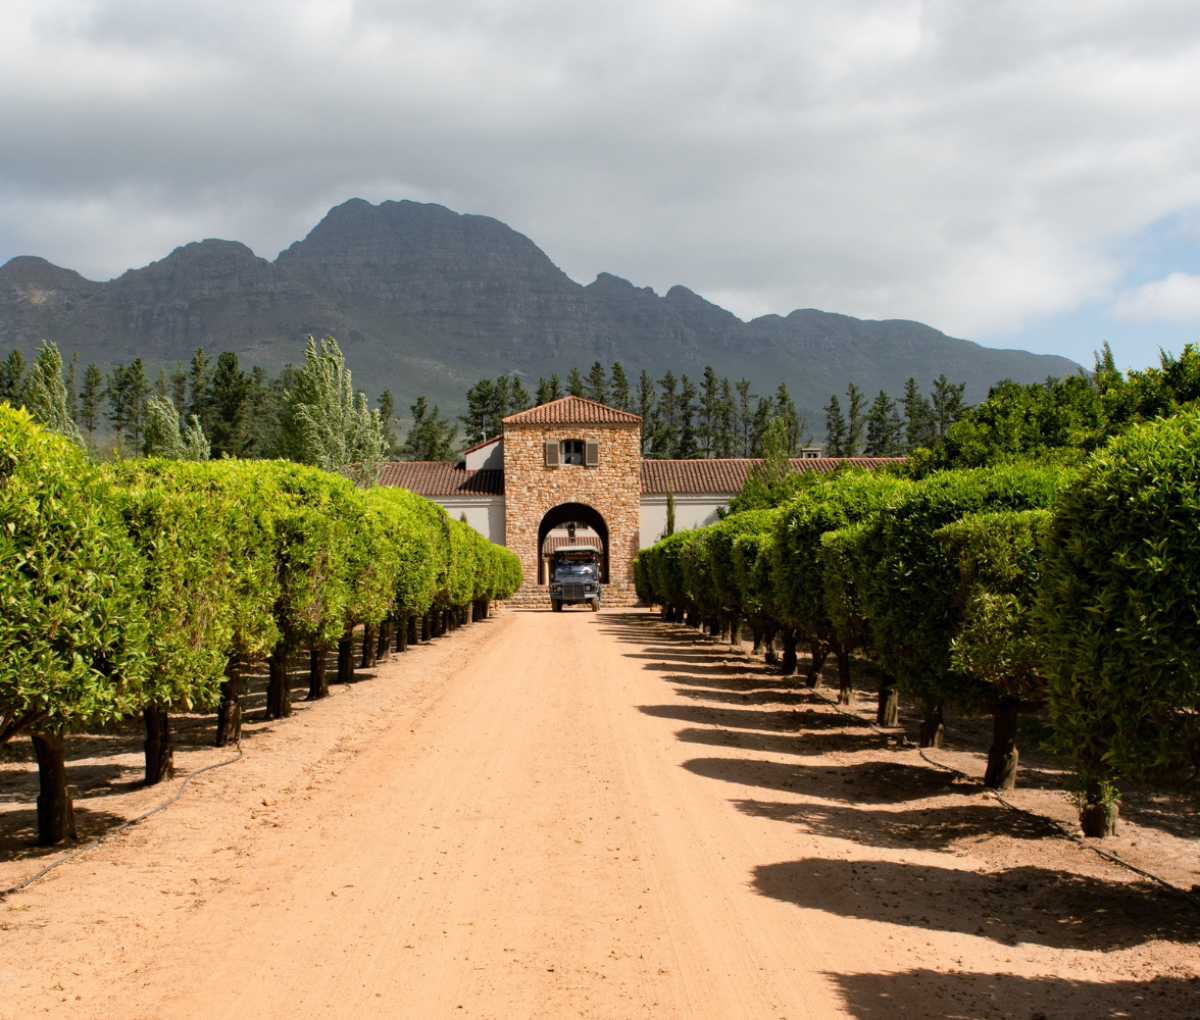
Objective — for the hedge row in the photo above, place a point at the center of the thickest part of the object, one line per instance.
(151, 585)
(1004, 589)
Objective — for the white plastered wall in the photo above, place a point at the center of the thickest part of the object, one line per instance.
(484, 513)
(691, 511)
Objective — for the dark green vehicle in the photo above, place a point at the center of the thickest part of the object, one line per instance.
(575, 577)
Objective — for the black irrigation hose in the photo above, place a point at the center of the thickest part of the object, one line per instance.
(124, 825)
(133, 821)
(1062, 829)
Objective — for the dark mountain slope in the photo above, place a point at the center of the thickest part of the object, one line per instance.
(423, 299)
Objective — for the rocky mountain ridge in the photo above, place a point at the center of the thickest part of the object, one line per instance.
(425, 300)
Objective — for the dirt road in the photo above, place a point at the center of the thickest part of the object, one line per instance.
(511, 823)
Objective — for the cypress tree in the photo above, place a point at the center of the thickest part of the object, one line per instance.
(576, 386)
(856, 421)
(549, 389)
(618, 389)
(835, 428)
(90, 397)
(596, 387)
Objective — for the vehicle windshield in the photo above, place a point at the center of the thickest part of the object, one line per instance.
(569, 569)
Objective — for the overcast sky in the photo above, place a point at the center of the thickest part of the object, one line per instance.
(1017, 173)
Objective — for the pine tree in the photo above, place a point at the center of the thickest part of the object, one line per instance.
(518, 400)
(429, 437)
(90, 397)
(12, 374)
(948, 404)
(686, 414)
(179, 381)
(199, 374)
(794, 424)
(126, 391)
(708, 419)
(618, 388)
(666, 433)
(726, 422)
(549, 389)
(855, 420)
(228, 404)
(596, 387)
(481, 412)
(835, 428)
(919, 426)
(576, 386)
(763, 413)
(160, 384)
(387, 416)
(647, 409)
(744, 417)
(884, 430)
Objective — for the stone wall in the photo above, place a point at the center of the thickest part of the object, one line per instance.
(612, 489)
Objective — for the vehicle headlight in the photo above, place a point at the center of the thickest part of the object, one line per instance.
(556, 587)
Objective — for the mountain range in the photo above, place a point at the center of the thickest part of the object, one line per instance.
(425, 300)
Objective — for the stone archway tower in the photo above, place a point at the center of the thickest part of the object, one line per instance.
(536, 442)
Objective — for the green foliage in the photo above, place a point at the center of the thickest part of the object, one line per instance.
(909, 585)
(46, 396)
(1117, 609)
(798, 575)
(998, 563)
(429, 437)
(327, 424)
(163, 437)
(72, 628)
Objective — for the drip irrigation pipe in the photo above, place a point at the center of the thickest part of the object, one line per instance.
(124, 825)
(1062, 829)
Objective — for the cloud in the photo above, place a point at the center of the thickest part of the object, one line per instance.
(1173, 299)
(976, 166)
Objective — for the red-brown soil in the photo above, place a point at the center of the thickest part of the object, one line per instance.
(554, 815)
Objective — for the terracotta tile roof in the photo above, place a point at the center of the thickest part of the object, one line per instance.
(441, 478)
(726, 477)
(572, 411)
(480, 446)
(551, 543)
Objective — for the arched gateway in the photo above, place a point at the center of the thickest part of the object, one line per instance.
(576, 461)
(573, 461)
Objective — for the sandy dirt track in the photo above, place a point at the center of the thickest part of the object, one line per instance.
(511, 823)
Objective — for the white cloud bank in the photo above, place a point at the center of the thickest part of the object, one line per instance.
(1174, 299)
(977, 166)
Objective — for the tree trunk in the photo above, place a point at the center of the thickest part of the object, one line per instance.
(888, 713)
(318, 684)
(714, 626)
(845, 683)
(402, 629)
(1097, 818)
(758, 639)
(819, 652)
(229, 711)
(345, 667)
(1001, 771)
(427, 626)
(279, 695)
(370, 636)
(414, 630)
(735, 631)
(487, 608)
(383, 650)
(933, 728)
(55, 812)
(788, 664)
(159, 750)
(769, 646)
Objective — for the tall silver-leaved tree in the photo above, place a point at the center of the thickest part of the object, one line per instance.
(164, 437)
(326, 424)
(46, 394)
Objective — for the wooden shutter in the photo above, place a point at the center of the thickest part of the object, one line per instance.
(552, 458)
(591, 456)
